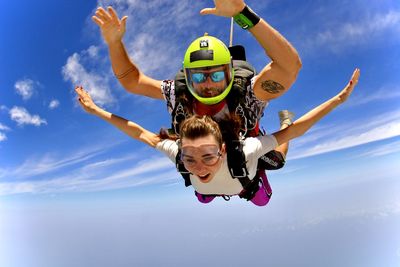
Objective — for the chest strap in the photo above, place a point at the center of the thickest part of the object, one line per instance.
(237, 168)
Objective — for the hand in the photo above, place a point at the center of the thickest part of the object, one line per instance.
(225, 8)
(112, 28)
(346, 92)
(86, 101)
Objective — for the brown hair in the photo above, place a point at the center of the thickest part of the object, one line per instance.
(201, 126)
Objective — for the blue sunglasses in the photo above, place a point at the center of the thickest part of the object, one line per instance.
(215, 76)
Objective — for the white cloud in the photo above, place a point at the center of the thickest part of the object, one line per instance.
(98, 176)
(152, 41)
(47, 163)
(95, 84)
(156, 44)
(93, 51)
(352, 134)
(25, 88)
(4, 127)
(383, 93)
(54, 104)
(22, 117)
(387, 149)
(366, 29)
(3, 136)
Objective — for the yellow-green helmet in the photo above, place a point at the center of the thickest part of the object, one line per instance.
(204, 54)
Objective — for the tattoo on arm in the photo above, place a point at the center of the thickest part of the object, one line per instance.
(272, 87)
(124, 74)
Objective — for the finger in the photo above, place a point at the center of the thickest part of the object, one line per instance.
(100, 10)
(123, 23)
(208, 11)
(81, 102)
(103, 15)
(355, 76)
(98, 21)
(80, 91)
(103, 12)
(113, 13)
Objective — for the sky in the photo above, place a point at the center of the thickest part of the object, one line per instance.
(74, 191)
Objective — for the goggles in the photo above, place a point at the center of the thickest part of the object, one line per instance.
(216, 76)
(206, 154)
(218, 87)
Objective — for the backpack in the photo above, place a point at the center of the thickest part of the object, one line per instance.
(244, 72)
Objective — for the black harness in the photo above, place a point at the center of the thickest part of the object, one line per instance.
(237, 168)
(236, 101)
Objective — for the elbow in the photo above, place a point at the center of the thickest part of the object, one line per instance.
(130, 82)
(295, 130)
(296, 66)
(292, 67)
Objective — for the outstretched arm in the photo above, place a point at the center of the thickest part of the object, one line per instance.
(130, 128)
(276, 77)
(128, 74)
(304, 123)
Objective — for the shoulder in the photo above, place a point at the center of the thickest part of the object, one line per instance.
(167, 88)
(251, 91)
(259, 145)
(168, 91)
(168, 147)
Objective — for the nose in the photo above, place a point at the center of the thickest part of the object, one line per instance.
(208, 80)
(198, 167)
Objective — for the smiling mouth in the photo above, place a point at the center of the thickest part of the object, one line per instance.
(210, 92)
(204, 177)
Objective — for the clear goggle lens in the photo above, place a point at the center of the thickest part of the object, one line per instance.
(209, 155)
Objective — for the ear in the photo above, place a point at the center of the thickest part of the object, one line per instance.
(223, 148)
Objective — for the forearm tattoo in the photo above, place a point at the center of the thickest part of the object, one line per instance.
(124, 74)
(272, 87)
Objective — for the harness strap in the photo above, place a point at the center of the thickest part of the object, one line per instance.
(236, 159)
(238, 171)
(182, 170)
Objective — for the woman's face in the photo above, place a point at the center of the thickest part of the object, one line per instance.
(202, 156)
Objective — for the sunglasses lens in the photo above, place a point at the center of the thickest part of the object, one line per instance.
(198, 77)
(218, 76)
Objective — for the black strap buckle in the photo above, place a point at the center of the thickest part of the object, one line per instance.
(243, 174)
(181, 168)
(226, 197)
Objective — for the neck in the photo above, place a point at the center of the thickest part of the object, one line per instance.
(210, 110)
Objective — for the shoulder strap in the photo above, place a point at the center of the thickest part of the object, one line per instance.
(243, 74)
(236, 159)
(183, 101)
(180, 82)
(182, 170)
(238, 169)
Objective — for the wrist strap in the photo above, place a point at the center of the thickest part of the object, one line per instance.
(247, 18)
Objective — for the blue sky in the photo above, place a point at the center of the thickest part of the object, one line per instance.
(75, 191)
